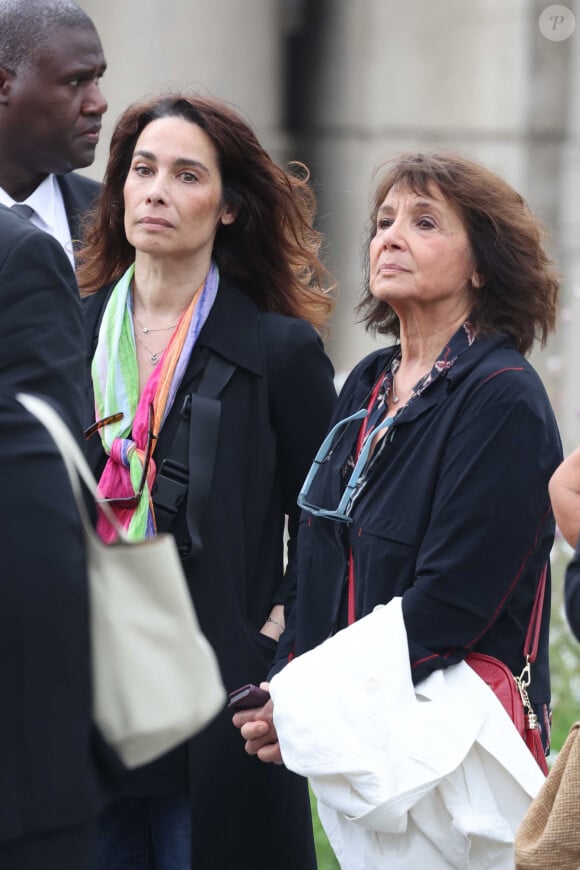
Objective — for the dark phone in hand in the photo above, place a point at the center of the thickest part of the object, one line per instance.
(247, 697)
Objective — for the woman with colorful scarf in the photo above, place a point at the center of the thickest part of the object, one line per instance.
(209, 393)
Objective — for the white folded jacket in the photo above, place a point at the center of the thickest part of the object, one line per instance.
(433, 776)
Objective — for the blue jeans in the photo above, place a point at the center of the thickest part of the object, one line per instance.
(135, 833)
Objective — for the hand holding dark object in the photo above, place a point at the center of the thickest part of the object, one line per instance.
(247, 697)
(256, 723)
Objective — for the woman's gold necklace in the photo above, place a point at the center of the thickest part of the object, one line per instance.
(394, 390)
(394, 396)
(396, 399)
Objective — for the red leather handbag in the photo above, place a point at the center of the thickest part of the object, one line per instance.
(512, 690)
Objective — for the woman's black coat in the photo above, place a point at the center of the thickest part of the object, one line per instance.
(274, 413)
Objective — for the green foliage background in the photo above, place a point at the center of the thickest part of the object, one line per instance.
(564, 655)
(565, 672)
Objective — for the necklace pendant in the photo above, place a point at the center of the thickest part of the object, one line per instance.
(145, 329)
(395, 399)
(154, 359)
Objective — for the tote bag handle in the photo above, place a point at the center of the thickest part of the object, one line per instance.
(75, 463)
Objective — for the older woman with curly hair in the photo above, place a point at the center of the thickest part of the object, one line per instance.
(210, 391)
(432, 485)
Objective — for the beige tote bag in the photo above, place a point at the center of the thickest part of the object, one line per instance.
(156, 680)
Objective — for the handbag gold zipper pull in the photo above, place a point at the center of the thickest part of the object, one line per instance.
(532, 720)
(521, 682)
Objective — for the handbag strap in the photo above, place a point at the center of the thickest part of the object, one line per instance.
(533, 632)
(74, 461)
(351, 593)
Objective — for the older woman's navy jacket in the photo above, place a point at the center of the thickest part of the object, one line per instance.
(455, 516)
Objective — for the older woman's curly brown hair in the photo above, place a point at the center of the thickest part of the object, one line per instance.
(519, 291)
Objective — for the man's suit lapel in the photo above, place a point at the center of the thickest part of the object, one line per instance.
(79, 195)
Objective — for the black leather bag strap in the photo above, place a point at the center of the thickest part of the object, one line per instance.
(192, 455)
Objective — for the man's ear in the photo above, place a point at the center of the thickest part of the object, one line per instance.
(6, 79)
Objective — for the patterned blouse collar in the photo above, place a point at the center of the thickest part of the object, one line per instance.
(459, 342)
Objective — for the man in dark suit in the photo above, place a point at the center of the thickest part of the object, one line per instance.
(48, 782)
(51, 106)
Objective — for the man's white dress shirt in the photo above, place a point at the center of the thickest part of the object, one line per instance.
(49, 212)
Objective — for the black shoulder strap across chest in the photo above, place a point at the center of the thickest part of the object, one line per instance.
(191, 458)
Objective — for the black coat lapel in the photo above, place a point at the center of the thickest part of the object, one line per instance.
(232, 331)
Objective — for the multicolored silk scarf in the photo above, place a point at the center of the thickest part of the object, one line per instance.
(116, 384)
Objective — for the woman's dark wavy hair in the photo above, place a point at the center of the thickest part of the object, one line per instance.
(271, 249)
(520, 286)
